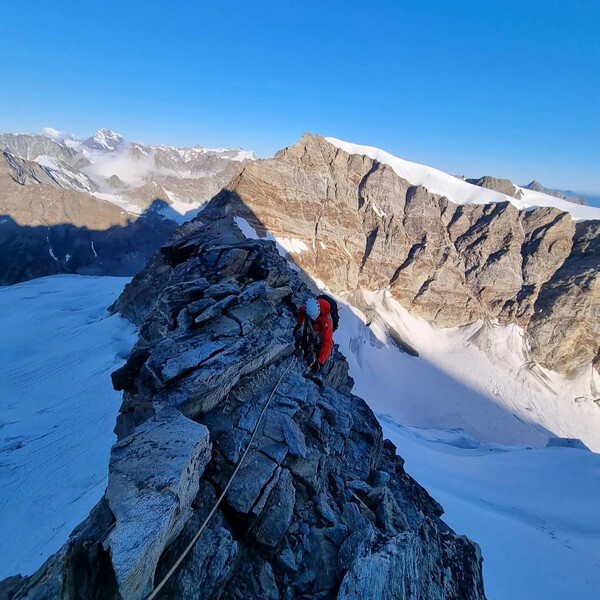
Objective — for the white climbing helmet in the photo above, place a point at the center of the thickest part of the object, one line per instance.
(313, 310)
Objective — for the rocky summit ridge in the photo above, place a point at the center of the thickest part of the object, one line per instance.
(359, 225)
(321, 509)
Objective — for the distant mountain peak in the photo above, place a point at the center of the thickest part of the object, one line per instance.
(56, 135)
(536, 186)
(105, 139)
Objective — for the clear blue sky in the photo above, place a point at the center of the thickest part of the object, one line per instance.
(510, 88)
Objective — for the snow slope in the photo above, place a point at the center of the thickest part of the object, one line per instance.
(533, 511)
(57, 409)
(461, 192)
(478, 378)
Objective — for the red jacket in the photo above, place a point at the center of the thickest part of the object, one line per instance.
(322, 326)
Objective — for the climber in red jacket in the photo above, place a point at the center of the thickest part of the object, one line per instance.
(315, 342)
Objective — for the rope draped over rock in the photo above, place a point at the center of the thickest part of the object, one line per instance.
(225, 489)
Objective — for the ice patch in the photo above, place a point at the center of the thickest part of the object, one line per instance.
(246, 228)
(284, 245)
(292, 245)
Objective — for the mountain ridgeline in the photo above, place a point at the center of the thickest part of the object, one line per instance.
(70, 206)
(321, 507)
(364, 226)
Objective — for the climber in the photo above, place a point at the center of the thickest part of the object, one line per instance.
(317, 320)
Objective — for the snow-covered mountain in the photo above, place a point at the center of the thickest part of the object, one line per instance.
(55, 180)
(104, 140)
(462, 192)
(483, 306)
(107, 157)
(69, 139)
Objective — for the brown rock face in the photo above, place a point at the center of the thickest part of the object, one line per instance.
(504, 186)
(452, 264)
(49, 230)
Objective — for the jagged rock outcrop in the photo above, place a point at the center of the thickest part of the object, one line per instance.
(504, 186)
(363, 226)
(153, 481)
(322, 506)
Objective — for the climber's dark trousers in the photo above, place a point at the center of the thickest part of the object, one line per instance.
(308, 343)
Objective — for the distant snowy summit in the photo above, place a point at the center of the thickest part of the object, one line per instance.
(105, 139)
(59, 136)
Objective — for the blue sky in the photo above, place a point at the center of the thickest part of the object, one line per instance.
(505, 88)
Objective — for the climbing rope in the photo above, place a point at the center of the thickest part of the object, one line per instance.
(225, 489)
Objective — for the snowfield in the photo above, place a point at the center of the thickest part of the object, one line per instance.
(57, 409)
(461, 192)
(534, 512)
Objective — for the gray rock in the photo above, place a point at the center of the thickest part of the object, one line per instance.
(215, 309)
(207, 567)
(153, 479)
(325, 510)
(220, 291)
(294, 437)
(403, 567)
(198, 306)
(172, 358)
(504, 186)
(287, 561)
(277, 452)
(322, 560)
(223, 326)
(232, 443)
(356, 546)
(268, 584)
(359, 486)
(307, 469)
(380, 478)
(352, 518)
(278, 512)
(337, 534)
(252, 477)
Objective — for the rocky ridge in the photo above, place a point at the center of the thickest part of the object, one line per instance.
(364, 227)
(322, 507)
(536, 186)
(504, 186)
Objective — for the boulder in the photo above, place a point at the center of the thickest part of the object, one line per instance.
(153, 479)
